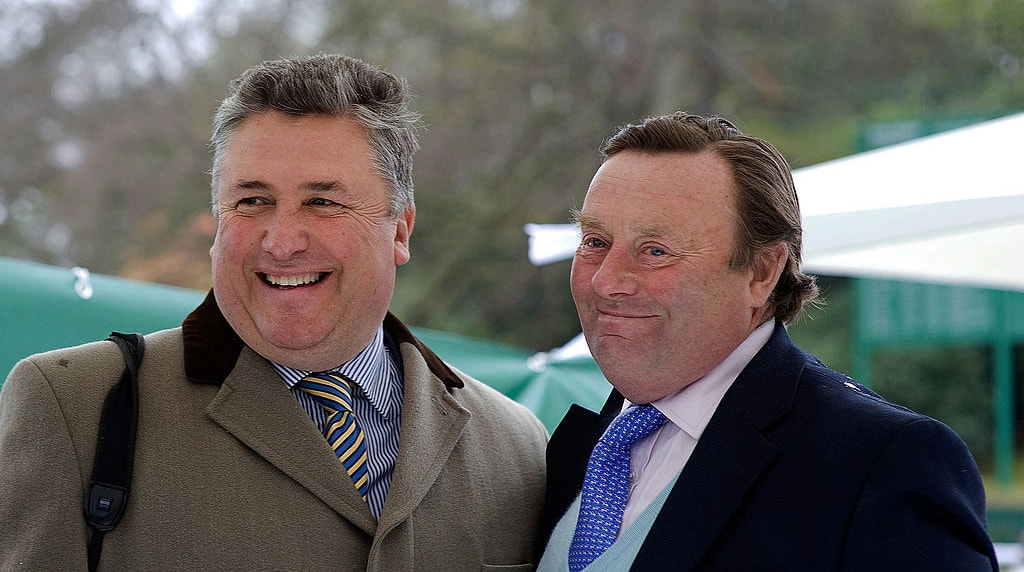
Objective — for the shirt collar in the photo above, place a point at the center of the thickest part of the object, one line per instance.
(691, 408)
(373, 370)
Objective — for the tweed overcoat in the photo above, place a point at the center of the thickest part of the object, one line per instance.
(231, 474)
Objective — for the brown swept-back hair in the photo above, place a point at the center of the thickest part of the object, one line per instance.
(767, 210)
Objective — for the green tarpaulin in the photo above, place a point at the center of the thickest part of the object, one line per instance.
(44, 307)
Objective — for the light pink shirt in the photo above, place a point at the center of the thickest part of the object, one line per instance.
(656, 459)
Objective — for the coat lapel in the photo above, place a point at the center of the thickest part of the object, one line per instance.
(728, 460)
(432, 423)
(726, 463)
(256, 407)
(568, 452)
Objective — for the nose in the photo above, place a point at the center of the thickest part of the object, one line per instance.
(615, 275)
(285, 235)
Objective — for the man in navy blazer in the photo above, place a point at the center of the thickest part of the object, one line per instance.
(687, 271)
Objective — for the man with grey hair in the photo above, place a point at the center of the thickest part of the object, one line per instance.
(291, 422)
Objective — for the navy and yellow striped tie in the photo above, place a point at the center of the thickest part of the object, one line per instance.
(333, 392)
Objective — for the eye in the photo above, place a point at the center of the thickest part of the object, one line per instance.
(322, 202)
(657, 255)
(593, 242)
(250, 205)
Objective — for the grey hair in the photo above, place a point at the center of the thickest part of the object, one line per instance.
(334, 85)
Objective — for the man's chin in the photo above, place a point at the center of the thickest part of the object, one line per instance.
(300, 341)
(284, 346)
(612, 348)
(307, 358)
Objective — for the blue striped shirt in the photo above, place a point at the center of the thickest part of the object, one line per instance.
(378, 409)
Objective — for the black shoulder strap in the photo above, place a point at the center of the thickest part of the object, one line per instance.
(107, 494)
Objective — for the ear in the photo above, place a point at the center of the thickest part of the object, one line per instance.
(767, 266)
(403, 230)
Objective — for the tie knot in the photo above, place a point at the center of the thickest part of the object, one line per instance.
(332, 391)
(631, 425)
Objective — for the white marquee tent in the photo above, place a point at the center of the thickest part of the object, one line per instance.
(948, 208)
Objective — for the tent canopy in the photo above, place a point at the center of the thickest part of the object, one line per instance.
(947, 208)
(44, 307)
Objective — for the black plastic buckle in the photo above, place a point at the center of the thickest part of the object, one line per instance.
(104, 505)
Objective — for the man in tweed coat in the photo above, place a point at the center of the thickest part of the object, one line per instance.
(312, 193)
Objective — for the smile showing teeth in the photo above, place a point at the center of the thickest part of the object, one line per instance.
(293, 281)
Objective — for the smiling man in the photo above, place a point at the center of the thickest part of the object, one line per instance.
(292, 422)
(723, 446)
(307, 244)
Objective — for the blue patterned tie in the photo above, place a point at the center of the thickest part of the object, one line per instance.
(334, 393)
(607, 483)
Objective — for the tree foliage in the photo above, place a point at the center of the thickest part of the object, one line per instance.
(107, 106)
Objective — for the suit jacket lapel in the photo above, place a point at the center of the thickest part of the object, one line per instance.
(729, 458)
(568, 452)
(726, 462)
(254, 405)
(432, 423)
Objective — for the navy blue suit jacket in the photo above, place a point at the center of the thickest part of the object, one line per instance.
(800, 468)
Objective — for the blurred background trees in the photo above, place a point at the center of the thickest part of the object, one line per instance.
(106, 107)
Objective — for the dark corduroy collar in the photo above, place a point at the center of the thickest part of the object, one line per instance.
(212, 347)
